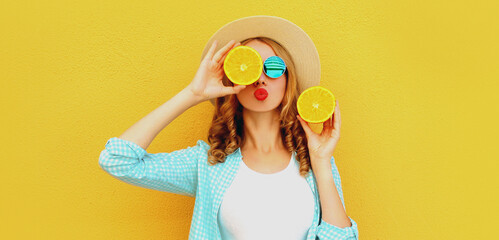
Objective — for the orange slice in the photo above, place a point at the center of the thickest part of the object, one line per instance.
(316, 104)
(243, 65)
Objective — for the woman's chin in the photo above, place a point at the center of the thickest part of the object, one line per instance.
(259, 106)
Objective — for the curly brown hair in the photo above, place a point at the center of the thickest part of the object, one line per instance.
(226, 133)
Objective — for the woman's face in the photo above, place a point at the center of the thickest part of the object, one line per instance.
(275, 86)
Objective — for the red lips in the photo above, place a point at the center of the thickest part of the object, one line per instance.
(261, 94)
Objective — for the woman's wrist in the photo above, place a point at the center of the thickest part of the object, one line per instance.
(193, 99)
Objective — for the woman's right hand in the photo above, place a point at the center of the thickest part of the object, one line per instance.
(207, 82)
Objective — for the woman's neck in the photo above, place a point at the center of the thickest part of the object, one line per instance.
(262, 133)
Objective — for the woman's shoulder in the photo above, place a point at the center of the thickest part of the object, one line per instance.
(204, 147)
(202, 144)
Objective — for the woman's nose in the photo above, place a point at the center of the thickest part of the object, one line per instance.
(261, 81)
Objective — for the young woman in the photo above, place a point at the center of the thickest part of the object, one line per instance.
(264, 174)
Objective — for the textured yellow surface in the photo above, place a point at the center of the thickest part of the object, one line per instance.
(416, 83)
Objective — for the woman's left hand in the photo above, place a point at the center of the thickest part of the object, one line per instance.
(321, 146)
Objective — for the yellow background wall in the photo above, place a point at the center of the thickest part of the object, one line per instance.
(416, 82)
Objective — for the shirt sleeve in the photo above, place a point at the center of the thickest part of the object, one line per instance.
(174, 172)
(329, 231)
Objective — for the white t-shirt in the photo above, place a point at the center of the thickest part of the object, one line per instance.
(267, 206)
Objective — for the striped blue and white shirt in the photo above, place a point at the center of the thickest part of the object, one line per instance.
(187, 172)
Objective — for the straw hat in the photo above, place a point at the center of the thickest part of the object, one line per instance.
(299, 45)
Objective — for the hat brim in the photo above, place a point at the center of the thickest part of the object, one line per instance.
(300, 46)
